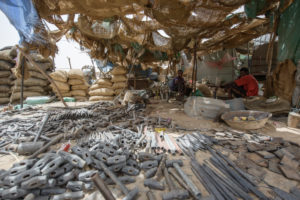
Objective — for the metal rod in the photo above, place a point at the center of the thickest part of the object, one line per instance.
(44, 148)
(45, 119)
(102, 187)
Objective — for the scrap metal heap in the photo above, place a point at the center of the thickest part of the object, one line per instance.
(117, 147)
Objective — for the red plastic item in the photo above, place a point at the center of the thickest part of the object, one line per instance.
(66, 147)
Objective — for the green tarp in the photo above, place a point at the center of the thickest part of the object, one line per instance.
(289, 33)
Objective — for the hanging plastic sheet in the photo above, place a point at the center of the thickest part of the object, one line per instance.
(253, 7)
(288, 32)
(23, 16)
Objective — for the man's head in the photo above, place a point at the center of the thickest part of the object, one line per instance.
(180, 73)
(244, 71)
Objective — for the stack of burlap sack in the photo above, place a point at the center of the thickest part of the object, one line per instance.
(60, 78)
(119, 79)
(102, 90)
(35, 83)
(79, 86)
(7, 62)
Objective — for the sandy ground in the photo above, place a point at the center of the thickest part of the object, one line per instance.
(175, 112)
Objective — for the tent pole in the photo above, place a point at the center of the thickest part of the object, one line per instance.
(22, 81)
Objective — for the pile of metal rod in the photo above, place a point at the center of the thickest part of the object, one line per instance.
(43, 126)
(231, 183)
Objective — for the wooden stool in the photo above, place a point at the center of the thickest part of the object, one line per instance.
(293, 120)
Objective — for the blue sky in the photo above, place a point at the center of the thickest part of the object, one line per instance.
(9, 36)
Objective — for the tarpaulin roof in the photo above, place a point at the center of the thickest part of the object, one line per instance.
(119, 29)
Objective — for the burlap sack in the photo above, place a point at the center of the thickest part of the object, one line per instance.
(80, 87)
(101, 98)
(61, 86)
(204, 89)
(5, 74)
(80, 98)
(65, 94)
(40, 59)
(5, 55)
(118, 78)
(75, 82)
(102, 92)
(4, 88)
(119, 85)
(5, 81)
(5, 94)
(4, 65)
(29, 89)
(104, 82)
(43, 66)
(76, 74)
(118, 91)
(81, 93)
(118, 71)
(97, 86)
(59, 75)
(17, 95)
(4, 100)
(36, 74)
(33, 82)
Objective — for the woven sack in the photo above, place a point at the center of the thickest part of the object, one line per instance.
(5, 55)
(33, 82)
(81, 93)
(101, 98)
(4, 88)
(118, 78)
(61, 86)
(80, 98)
(4, 100)
(4, 65)
(102, 92)
(5, 81)
(80, 87)
(76, 74)
(59, 75)
(36, 74)
(104, 82)
(5, 74)
(75, 82)
(119, 85)
(118, 71)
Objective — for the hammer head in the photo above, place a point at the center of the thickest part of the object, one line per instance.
(170, 163)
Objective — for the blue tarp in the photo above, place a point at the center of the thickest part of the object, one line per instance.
(23, 16)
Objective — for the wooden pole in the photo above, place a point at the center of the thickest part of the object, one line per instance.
(69, 59)
(22, 81)
(194, 75)
(44, 73)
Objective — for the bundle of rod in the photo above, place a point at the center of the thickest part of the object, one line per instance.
(162, 142)
(231, 183)
(191, 143)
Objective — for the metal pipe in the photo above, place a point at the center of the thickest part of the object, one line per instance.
(45, 119)
(102, 187)
(189, 183)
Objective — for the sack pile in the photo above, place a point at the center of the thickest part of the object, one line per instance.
(79, 86)
(7, 62)
(101, 90)
(119, 79)
(35, 83)
(60, 78)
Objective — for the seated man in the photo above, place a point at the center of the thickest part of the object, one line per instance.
(245, 86)
(178, 83)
